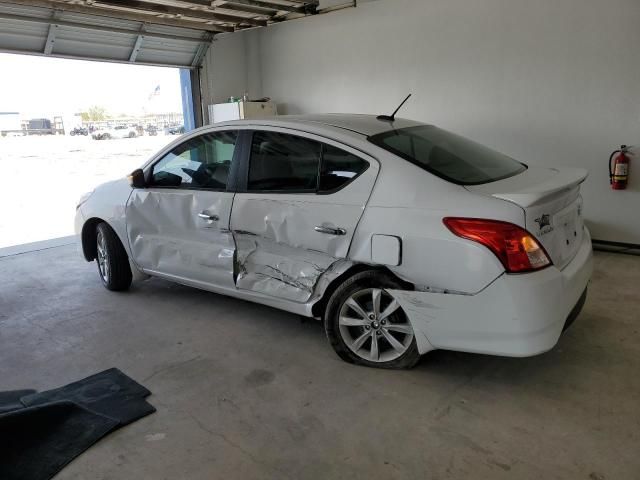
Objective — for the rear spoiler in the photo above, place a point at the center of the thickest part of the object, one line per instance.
(564, 180)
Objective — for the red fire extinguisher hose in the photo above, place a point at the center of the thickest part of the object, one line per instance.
(610, 169)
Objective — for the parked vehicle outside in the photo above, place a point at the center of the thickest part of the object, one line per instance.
(39, 124)
(401, 237)
(101, 133)
(119, 131)
(175, 130)
(79, 131)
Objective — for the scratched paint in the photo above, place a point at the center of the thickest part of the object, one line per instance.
(266, 266)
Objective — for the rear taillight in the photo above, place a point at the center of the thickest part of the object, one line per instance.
(515, 247)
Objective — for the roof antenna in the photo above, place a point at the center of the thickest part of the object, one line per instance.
(392, 117)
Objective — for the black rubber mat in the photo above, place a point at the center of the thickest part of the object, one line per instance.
(37, 442)
(110, 393)
(10, 400)
(40, 433)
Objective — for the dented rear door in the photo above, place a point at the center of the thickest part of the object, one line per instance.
(178, 227)
(296, 216)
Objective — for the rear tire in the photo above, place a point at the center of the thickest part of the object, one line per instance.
(112, 259)
(364, 333)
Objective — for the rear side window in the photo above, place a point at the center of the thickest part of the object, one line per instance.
(447, 155)
(338, 168)
(281, 162)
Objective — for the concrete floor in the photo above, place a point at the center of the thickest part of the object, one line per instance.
(248, 392)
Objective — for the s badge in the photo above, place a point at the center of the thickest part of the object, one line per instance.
(543, 221)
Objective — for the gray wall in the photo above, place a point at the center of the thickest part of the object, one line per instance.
(229, 77)
(548, 82)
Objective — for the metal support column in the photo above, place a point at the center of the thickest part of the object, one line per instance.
(197, 97)
(187, 99)
(191, 99)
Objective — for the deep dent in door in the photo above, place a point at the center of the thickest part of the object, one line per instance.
(269, 261)
(156, 246)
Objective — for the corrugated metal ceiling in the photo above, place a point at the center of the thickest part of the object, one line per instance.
(156, 32)
(45, 31)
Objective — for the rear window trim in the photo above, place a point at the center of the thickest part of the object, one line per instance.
(375, 140)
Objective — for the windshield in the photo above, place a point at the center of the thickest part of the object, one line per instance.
(447, 155)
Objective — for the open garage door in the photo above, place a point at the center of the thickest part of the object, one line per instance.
(60, 33)
(153, 32)
(116, 123)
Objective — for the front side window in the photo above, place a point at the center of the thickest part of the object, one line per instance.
(283, 163)
(200, 162)
(447, 155)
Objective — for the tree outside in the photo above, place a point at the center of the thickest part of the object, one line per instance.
(94, 114)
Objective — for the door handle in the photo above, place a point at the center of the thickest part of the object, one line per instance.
(207, 216)
(330, 230)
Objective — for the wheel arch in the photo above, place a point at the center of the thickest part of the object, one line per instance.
(88, 237)
(320, 305)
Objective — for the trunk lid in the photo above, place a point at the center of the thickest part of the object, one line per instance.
(552, 204)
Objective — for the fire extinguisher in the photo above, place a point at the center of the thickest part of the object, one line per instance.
(619, 169)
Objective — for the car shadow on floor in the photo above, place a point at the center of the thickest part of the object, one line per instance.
(568, 354)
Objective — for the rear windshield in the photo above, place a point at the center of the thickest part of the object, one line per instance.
(447, 155)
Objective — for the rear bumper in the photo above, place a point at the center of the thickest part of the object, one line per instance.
(575, 311)
(516, 315)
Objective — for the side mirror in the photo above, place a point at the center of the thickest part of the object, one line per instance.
(136, 179)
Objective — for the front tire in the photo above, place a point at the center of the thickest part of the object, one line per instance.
(366, 326)
(112, 259)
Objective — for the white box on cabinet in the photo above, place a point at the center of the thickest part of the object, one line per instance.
(223, 112)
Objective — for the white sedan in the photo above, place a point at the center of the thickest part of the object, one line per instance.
(401, 237)
(119, 131)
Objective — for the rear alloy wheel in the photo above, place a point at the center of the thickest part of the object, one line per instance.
(112, 259)
(367, 326)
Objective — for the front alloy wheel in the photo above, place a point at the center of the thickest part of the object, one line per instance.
(112, 259)
(102, 257)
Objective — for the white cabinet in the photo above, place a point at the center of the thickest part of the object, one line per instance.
(223, 112)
